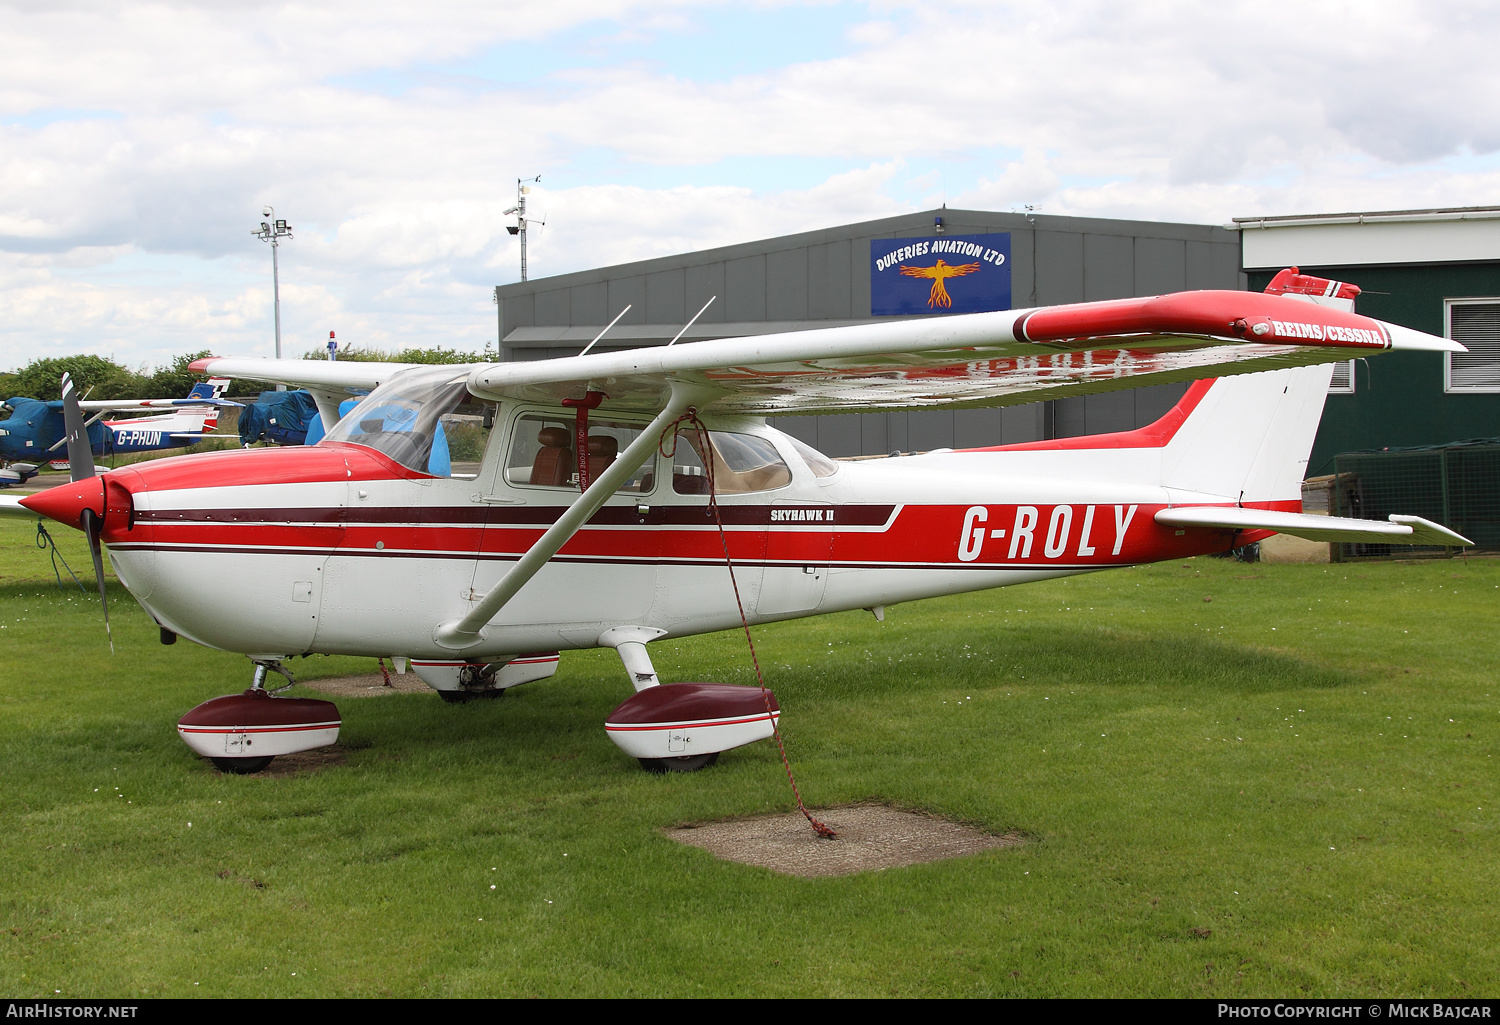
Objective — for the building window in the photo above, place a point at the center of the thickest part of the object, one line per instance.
(1343, 378)
(1476, 324)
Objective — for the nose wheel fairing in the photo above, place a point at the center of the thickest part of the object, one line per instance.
(254, 725)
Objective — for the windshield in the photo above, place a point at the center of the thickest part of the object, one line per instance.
(405, 418)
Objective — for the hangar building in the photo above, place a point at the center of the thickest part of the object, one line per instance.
(852, 274)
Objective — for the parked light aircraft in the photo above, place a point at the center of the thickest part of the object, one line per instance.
(32, 432)
(589, 521)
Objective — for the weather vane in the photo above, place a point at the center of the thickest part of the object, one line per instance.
(519, 228)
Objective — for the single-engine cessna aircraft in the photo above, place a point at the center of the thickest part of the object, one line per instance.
(613, 486)
(34, 431)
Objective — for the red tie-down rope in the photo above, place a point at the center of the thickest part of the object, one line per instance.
(705, 448)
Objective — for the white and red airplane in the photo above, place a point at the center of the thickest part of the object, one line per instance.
(589, 522)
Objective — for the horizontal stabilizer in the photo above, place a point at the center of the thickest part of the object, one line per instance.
(130, 405)
(1401, 530)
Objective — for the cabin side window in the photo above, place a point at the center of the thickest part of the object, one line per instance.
(543, 452)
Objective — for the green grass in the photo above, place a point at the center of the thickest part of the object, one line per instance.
(1296, 768)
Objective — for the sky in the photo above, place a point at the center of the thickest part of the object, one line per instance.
(139, 141)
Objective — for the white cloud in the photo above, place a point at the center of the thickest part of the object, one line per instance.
(138, 142)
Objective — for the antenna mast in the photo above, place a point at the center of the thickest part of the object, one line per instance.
(519, 228)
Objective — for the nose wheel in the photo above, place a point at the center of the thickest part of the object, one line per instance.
(241, 766)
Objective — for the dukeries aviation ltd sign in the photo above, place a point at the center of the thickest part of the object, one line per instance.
(943, 274)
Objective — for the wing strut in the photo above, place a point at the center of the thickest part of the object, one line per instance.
(463, 633)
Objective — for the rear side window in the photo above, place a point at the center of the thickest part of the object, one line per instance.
(742, 463)
(817, 462)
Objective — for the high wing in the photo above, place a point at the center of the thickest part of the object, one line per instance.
(329, 382)
(313, 374)
(979, 359)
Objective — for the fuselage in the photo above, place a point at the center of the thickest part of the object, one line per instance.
(337, 548)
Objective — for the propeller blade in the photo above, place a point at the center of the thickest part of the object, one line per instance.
(80, 452)
(81, 467)
(92, 526)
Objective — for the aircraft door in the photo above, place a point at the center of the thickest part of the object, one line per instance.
(606, 573)
(799, 545)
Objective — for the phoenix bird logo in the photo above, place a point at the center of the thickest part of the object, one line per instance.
(939, 272)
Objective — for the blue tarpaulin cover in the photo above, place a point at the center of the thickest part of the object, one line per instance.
(281, 417)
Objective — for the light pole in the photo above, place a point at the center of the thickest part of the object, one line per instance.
(273, 231)
(519, 228)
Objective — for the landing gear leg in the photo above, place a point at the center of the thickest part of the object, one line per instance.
(262, 665)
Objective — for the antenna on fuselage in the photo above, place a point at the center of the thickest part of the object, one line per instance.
(600, 335)
(693, 321)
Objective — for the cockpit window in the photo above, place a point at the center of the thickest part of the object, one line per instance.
(416, 418)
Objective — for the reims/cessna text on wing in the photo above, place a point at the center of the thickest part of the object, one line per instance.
(587, 522)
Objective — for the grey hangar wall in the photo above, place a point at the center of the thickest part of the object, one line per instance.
(823, 279)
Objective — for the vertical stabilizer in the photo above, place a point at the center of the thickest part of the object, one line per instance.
(1249, 437)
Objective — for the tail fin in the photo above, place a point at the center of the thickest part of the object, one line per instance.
(210, 389)
(1248, 438)
(213, 388)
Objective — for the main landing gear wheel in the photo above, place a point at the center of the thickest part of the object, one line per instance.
(241, 766)
(687, 763)
(463, 697)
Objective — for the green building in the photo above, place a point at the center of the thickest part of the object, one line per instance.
(1434, 270)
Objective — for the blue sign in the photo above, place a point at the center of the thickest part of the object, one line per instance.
(942, 274)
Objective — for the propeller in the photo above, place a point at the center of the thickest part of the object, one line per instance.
(81, 467)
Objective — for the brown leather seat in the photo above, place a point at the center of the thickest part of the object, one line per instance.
(554, 465)
(603, 448)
